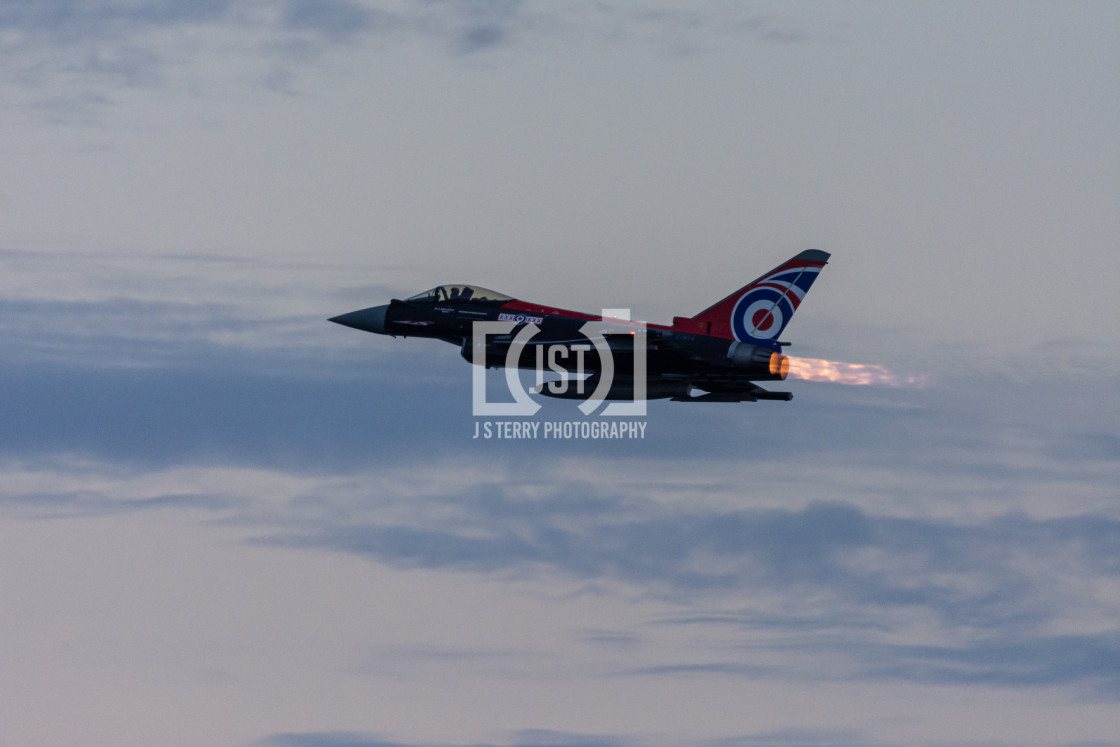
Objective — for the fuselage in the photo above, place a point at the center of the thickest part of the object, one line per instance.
(676, 359)
(721, 351)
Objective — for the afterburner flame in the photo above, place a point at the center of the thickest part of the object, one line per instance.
(858, 374)
(779, 365)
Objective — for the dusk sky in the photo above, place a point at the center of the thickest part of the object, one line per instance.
(226, 521)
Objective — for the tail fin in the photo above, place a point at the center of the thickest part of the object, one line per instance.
(758, 312)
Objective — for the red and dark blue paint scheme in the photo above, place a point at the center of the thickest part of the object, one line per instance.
(721, 351)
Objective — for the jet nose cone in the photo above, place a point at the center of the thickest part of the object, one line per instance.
(367, 320)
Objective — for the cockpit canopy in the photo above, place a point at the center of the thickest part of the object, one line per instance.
(459, 293)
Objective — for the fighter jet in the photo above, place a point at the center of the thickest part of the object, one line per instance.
(714, 356)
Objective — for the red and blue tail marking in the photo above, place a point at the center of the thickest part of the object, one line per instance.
(758, 312)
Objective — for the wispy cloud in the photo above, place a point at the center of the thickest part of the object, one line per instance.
(964, 576)
(71, 58)
(68, 59)
(72, 19)
(529, 738)
(914, 535)
(336, 20)
(1092, 661)
(329, 739)
(95, 503)
(1007, 601)
(991, 593)
(549, 738)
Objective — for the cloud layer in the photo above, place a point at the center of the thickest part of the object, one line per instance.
(224, 520)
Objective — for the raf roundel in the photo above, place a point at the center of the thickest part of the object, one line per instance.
(767, 304)
(758, 315)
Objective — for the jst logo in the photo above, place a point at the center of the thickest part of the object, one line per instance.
(568, 360)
